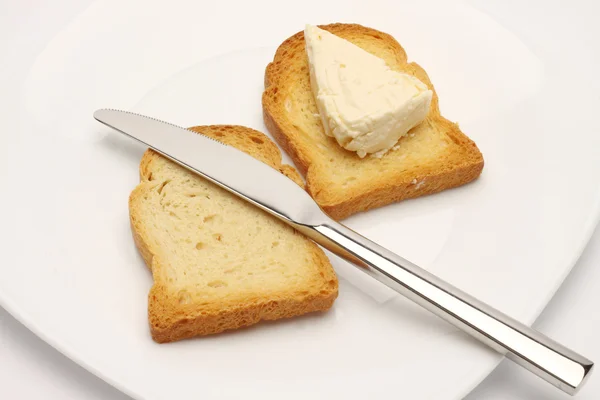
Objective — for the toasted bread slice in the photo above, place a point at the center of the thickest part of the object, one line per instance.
(434, 156)
(219, 263)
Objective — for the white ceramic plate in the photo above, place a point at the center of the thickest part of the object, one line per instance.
(520, 88)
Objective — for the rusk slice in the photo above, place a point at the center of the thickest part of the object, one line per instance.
(434, 156)
(219, 263)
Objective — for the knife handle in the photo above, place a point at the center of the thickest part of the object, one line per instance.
(546, 358)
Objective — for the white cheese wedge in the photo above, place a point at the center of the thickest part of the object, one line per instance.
(364, 105)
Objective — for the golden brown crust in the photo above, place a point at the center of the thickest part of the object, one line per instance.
(169, 319)
(460, 165)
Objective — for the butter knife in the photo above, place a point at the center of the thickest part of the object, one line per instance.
(271, 191)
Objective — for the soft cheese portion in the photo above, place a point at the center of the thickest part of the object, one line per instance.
(363, 104)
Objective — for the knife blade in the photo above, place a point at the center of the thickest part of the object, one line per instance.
(224, 165)
(270, 190)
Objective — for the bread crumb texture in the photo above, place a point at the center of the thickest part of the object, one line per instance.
(219, 263)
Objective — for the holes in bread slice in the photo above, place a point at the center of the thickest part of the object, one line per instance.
(184, 297)
(209, 218)
(162, 186)
(217, 284)
(233, 270)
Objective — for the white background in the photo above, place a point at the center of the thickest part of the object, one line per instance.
(30, 369)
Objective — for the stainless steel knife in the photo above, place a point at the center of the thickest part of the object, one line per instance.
(270, 190)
